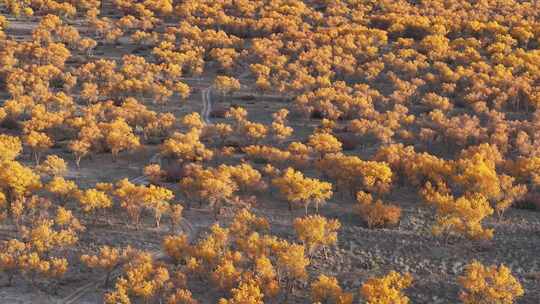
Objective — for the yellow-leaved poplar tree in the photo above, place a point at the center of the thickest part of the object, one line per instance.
(489, 285)
(387, 289)
(326, 289)
(10, 147)
(316, 231)
(296, 188)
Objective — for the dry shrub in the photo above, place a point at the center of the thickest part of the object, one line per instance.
(173, 172)
(316, 114)
(154, 173)
(348, 141)
(10, 124)
(375, 213)
(529, 202)
(218, 112)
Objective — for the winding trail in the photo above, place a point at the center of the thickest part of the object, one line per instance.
(187, 227)
(206, 95)
(95, 284)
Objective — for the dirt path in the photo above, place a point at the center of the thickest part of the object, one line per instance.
(187, 227)
(207, 104)
(94, 285)
(206, 95)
